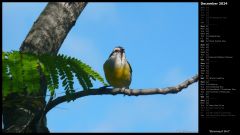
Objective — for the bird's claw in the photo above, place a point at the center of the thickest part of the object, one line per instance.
(123, 90)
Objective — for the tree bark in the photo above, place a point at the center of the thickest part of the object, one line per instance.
(46, 36)
(52, 27)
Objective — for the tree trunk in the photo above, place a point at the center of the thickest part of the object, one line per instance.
(46, 36)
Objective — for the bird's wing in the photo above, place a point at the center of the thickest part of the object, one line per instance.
(110, 54)
(130, 66)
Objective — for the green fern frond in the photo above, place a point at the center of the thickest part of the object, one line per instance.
(21, 72)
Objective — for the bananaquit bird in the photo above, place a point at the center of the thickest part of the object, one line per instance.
(118, 71)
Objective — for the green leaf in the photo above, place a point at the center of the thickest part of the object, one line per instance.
(21, 73)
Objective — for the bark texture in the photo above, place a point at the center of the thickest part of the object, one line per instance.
(51, 28)
(46, 36)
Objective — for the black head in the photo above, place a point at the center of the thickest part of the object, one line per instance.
(119, 49)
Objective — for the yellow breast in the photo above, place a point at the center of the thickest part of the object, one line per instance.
(118, 76)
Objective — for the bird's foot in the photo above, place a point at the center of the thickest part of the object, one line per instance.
(123, 90)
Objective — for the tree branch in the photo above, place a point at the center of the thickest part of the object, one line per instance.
(129, 92)
(52, 26)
